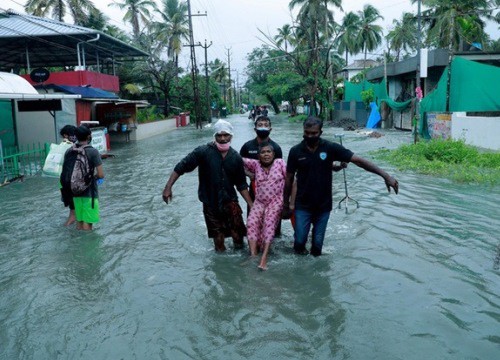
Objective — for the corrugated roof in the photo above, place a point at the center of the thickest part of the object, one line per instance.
(53, 43)
(17, 25)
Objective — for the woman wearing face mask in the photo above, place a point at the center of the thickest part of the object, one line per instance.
(220, 171)
(250, 150)
(265, 214)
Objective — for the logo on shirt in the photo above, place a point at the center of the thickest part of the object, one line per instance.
(322, 155)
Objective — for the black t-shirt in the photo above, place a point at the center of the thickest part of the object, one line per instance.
(217, 176)
(314, 173)
(94, 161)
(250, 149)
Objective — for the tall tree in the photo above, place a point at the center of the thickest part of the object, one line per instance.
(174, 27)
(348, 34)
(285, 36)
(403, 36)
(370, 34)
(449, 22)
(79, 9)
(137, 11)
(220, 74)
(313, 18)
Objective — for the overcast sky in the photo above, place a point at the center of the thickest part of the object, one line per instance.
(234, 24)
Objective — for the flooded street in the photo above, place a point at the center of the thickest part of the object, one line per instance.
(412, 276)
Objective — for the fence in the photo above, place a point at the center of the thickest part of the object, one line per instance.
(23, 161)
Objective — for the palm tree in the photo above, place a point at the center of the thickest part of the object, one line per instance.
(174, 27)
(348, 35)
(369, 35)
(451, 21)
(219, 72)
(137, 11)
(285, 36)
(313, 17)
(79, 9)
(403, 35)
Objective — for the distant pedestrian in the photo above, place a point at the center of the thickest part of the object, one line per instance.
(220, 171)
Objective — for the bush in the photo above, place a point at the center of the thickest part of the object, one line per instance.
(148, 114)
(446, 158)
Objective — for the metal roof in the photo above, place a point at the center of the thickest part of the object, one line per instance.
(15, 84)
(50, 43)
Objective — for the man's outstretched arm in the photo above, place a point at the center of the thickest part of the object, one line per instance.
(390, 182)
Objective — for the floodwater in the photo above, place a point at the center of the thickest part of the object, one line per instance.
(412, 276)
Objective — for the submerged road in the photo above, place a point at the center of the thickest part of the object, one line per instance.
(412, 276)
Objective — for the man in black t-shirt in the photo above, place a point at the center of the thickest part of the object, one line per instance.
(312, 161)
(262, 129)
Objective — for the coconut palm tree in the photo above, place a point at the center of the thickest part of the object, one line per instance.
(285, 36)
(79, 9)
(174, 27)
(348, 34)
(313, 18)
(137, 11)
(403, 35)
(449, 22)
(369, 35)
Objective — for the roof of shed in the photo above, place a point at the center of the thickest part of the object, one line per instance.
(50, 43)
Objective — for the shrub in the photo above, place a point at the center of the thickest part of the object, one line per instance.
(447, 158)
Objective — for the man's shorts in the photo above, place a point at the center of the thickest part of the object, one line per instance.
(84, 211)
(230, 218)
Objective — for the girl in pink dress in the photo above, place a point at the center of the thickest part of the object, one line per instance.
(266, 210)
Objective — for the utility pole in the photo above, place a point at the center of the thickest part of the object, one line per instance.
(235, 86)
(207, 88)
(238, 98)
(229, 72)
(194, 68)
(419, 45)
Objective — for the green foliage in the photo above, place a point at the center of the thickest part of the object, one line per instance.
(297, 118)
(359, 77)
(367, 96)
(148, 114)
(446, 158)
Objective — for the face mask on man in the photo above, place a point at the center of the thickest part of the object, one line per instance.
(223, 147)
(311, 140)
(262, 132)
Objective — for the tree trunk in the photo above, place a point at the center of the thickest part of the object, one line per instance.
(273, 103)
(166, 104)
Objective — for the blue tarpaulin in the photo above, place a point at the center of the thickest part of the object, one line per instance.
(86, 92)
(374, 117)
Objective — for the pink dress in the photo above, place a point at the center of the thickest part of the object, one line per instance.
(266, 211)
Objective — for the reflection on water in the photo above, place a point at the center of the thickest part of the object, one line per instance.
(403, 277)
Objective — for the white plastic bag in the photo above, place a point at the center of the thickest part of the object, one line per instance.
(55, 158)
